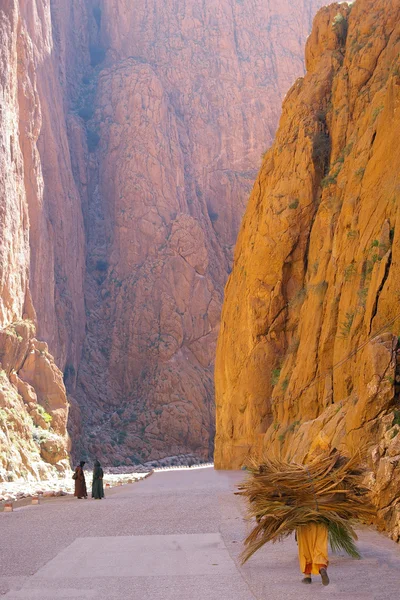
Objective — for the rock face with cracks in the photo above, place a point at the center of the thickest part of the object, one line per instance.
(34, 443)
(179, 112)
(41, 241)
(129, 141)
(308, 354)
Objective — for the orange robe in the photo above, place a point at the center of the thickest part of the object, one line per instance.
(313, 548)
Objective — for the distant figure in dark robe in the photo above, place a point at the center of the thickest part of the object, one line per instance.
(80, 482)
(97, 485)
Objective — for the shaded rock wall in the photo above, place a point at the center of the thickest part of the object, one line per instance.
(41, 237)
(308, 350)
(180, 107)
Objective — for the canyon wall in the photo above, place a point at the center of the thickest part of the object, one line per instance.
(130, 137)
(308, 354)
(41, 240)
(183, 101)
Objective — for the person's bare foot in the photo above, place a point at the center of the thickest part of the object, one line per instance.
(306, 579)
(324, 576)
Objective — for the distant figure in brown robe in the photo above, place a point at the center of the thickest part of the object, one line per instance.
(80, 482)
(97, 485)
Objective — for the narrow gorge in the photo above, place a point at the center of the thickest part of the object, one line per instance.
(130, 135)
(308, 355)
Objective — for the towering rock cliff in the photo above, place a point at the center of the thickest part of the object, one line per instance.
(308, 351)
(41, 240)
(130, 133)
(183, 103)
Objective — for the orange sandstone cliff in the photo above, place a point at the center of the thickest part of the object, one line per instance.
(308, 354)
(130, 134)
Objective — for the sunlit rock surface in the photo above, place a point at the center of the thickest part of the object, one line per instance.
(308, 354)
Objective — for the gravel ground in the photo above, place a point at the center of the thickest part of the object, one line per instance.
(190, 515)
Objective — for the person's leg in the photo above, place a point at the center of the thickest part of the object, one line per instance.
(307, 574)
(313, 551)
(305, 556)
(320, 553)
(324, 574)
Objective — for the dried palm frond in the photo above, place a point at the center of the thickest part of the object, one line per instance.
(283, 496)
(340, 538)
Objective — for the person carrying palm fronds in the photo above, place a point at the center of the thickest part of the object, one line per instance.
(319, 500)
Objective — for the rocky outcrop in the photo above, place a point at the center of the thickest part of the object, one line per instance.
(33, 407)
(308, 350)
(182, 100)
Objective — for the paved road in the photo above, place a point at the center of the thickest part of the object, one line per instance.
(175, 536)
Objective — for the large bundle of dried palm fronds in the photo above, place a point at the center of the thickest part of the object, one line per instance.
(283, 496)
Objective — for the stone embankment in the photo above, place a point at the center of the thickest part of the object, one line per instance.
(181, 460)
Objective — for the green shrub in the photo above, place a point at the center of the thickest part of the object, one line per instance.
(340, 26)
(346, 325)
(321, 151)
(396, 418)
(285, 384)
(293, 426)
(275, 376)
(362, 296)
(329, 180)
(339, 18)
(46, 416)
(349, 272)
(348, 149)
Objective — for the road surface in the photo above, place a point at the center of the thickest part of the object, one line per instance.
(175, 536)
